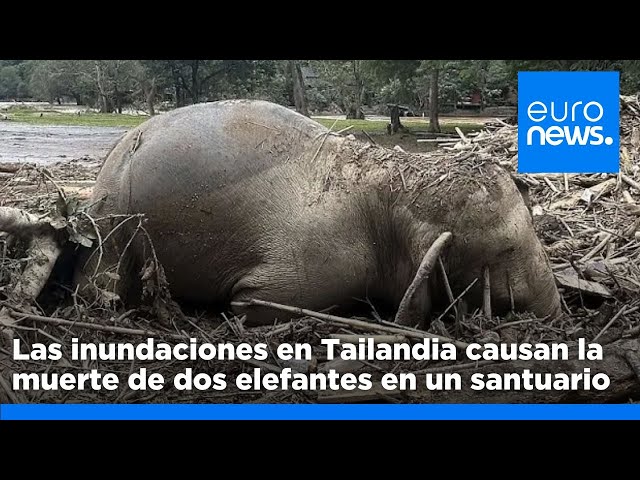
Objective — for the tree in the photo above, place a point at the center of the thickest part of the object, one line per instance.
(115, 83)
(630, 77)
(9, 81)
(348, 80)
(629, 69)
(434, 123)
(192, 78)
(358, 91)
(432, 69)
(51, 80)
(151, 77)
(394, 81)
(299, 97)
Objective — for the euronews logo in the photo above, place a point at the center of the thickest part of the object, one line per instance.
(568, 122)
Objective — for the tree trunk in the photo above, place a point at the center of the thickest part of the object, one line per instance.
(434, 124)
(195, 82)
(150, 95)
(105, 106)
(179, 96)
(299, 97)
(178, 89)
(359, 91)
(395, 125)
(483, 84)
(118, 100)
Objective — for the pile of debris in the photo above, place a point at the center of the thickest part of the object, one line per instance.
(589, 225)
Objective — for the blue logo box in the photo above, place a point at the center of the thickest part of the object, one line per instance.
(568, 122)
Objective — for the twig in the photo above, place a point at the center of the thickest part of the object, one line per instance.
(461, 135)
(551, 185)
(632, 332)
(486, 294)
(447, 287)
(46, 174)
(615, 317)
(445, 280)
(128, 217)
(630, 182)
(369, 137)
(565, 226)
(517, 322)
(409, 332)
(19, 316)
(627, 197)
(324, 139)
(345, 129)
(278, 330)
(97, 230)
(457, 299)
(597, 248)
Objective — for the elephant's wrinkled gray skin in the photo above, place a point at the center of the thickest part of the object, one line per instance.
(248, 199)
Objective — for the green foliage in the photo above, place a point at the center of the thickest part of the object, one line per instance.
(9, 81)
(52, 80)
(332, 86)
(629, 69)
(348, 83)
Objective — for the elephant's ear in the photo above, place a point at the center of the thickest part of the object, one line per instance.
(416, 304)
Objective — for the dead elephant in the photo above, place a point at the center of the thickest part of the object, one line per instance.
(250, 200)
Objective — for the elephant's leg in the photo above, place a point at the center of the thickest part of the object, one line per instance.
(259, 315)
(305, 285)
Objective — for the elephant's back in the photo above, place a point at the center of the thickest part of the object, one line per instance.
(219, 183)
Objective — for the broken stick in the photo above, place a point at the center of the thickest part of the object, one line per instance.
(486, 293)
(371, 326)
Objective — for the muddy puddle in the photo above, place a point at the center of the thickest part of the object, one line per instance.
(48, 144)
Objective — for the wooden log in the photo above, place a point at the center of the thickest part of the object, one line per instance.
(629, 181)
(9, 167)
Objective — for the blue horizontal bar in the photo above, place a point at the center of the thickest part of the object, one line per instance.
(319, 412)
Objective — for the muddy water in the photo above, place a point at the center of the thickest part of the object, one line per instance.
(21, 142)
